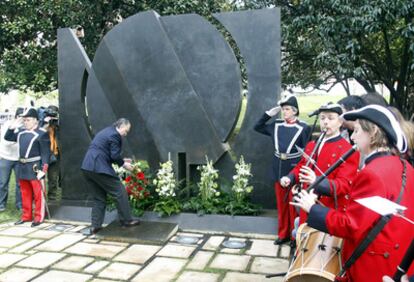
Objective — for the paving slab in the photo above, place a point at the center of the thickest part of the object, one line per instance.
(6, 260)
(176, 251)
(73, 263)
(43, 234)
(17, 231)
(121, 271)
(2, 250)
(26, 246)
(41, 260)
(8, 241)
(17, 274)
(231, 262)
(200, 260)
(96, 266)
(164, 269)
(95, 250)
(247, 277)
(231, 251)
(102, 280)
(62, 276)
(213, 243)
(60, 242)
(147, 232)
(137, 253)
(187, 276)
(268, 265)
(263, 248)
(284, 251)
(114, 243)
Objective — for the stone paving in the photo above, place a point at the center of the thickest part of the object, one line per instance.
(56, 251)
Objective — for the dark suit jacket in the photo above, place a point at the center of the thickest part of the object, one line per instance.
(104, 150)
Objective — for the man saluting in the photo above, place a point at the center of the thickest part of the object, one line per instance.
(34, 153)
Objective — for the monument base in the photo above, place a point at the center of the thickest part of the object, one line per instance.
(147, 232)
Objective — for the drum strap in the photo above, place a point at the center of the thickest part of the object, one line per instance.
(375, 230)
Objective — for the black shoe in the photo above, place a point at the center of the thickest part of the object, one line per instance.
(35, 223)
(20, 222)
(91, 231)
(95, 230)
(130, 223)
(281, 241)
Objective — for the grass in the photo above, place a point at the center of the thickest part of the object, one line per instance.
(309, 103)
(11, 213)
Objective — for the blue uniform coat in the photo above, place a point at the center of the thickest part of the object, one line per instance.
(284, 137)
(104, 150)
(32, 143)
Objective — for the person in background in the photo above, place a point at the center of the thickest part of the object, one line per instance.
(9, 157)
(408, 129)
(349, 103)
(286, 134)
(374, 98)
(51, 125)
(105, 150)
(34, 155)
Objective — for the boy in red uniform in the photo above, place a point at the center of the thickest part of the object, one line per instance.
(335, 188)
(376, 134)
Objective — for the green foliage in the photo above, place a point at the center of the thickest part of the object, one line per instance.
(371, 41)
(167, 207)
(28, 45)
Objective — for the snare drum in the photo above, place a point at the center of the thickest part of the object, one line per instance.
(318, 256)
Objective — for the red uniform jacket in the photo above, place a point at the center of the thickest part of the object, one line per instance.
(341, 178)
(380, 177)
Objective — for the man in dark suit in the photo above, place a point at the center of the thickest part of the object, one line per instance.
(104, 150)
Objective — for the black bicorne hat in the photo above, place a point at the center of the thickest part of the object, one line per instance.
(289, 100)
(30, 112)
(331, 107)
(384, 118)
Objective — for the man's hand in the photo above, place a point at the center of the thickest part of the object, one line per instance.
(273, 111)
(18, 122)
(128, 166)
(284, 181)
(127, 160)
(45, 168)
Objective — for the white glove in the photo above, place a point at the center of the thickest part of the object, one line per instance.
(284, 181)
(273, 111)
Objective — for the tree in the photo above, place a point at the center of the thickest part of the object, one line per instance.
(371, 41)
(28, 31)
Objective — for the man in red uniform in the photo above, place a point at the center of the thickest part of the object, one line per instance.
(332, 147)
(376, 134)
(34, 153)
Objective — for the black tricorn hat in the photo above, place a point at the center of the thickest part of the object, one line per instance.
(331, 107)
(289, 100)
(19, 111)
(30, 112)
(384, 118)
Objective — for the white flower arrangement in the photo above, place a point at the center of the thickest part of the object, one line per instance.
(208, 181)
(165, 181)
(241, 187)
(119, 170)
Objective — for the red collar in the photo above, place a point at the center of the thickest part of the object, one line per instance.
(291, 121)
